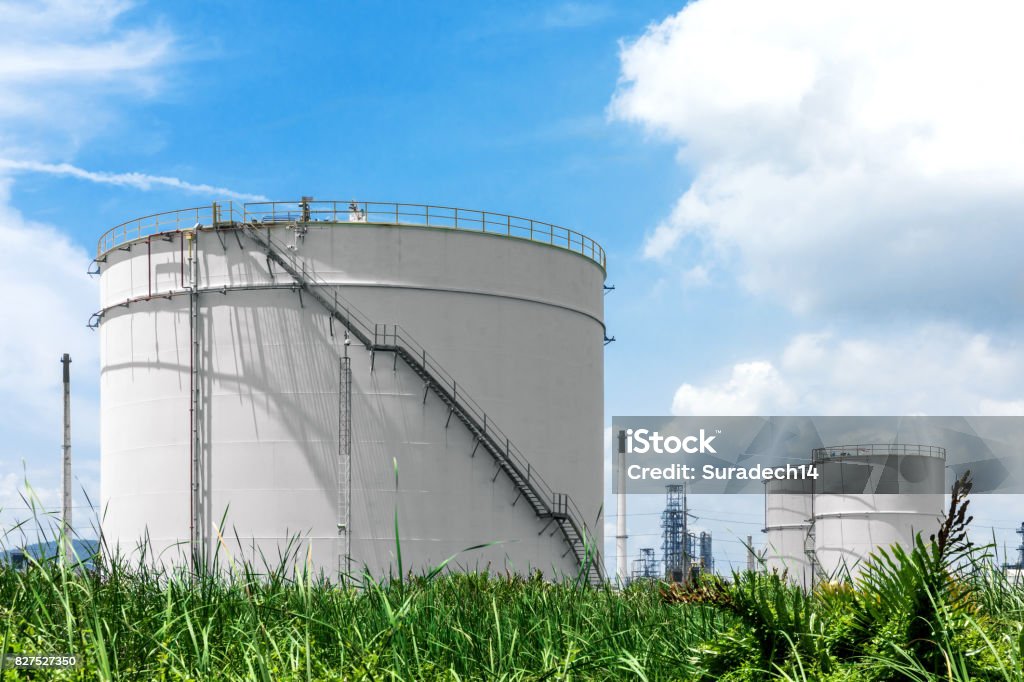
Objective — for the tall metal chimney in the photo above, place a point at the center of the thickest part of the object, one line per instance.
(66, 510)
(620, 518)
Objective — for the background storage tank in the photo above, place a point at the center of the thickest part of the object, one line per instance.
(865, 497)
(297, 374)
(871, 496)
(788, 519)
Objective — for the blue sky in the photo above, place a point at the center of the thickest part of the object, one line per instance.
(808, 210)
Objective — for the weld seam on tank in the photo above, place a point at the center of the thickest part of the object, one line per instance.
(223, 289)
(883, 512)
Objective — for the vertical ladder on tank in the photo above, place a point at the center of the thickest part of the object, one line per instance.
(810, 542)
(196, 534)
(558, 508)
(812, 558)
(344, 465)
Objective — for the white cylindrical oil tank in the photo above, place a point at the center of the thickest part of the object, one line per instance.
(873, 496)
(788, 520)
(240, 414)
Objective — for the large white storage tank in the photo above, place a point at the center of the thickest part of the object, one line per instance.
(266, 369)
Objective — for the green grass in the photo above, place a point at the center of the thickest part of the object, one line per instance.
(143, 624)
(937, 611)
(140, 624)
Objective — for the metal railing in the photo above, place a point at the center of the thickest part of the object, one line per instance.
(368, 212)
(836, 451)
(168, 221)
(388, 337)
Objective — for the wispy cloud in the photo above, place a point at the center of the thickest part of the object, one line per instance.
(50, 73)
(133, 53)
(50, 18)
(141, 181)
(65, 63)
(574, 15)
(561, 16)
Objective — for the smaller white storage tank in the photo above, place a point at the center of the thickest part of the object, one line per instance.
(872, 496)
(787, 523)
(865, 497)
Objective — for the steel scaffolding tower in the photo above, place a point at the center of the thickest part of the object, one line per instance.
(646, 566)
(675, 540)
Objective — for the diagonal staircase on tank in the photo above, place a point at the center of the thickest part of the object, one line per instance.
(818, 573)
(558, 508)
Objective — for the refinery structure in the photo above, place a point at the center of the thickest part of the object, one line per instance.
(305, 378)
(822, 526)
(864, 498)
(685, 554)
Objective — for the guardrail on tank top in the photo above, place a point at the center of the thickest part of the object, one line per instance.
(877, 449)
(368, 212)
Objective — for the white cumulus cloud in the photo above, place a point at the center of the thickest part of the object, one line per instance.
(47, 298)
(933, 369)
(751, 388)
(845, 154)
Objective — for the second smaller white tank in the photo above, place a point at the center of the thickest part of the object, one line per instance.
(873, 496)
(865, 498)
(787, 523)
